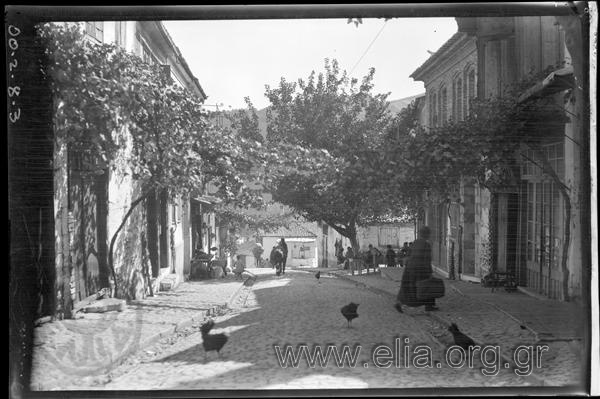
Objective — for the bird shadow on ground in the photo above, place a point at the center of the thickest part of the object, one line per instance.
(193, 355)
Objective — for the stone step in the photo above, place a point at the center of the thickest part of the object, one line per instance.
(105, 305)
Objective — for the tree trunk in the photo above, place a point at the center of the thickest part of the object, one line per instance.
(353, 240)
(114, 239)
(348, 232)
(355, 245)
(101, 191)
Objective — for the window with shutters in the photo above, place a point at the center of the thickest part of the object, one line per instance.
(443, 106)
(454, 113)
(458, 102)
(120, 33)
(95, 30)
(433, 110)
(469, 92)
(147, 55)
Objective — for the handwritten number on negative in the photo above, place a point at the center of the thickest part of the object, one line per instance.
(14, 91)
(14, 116)
(13, 44)
(13, 30)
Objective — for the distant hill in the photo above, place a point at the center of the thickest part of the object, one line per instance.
(397, 105)
(262, 121)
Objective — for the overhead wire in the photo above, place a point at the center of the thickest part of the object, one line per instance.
(368, 48)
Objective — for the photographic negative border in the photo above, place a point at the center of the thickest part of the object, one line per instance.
(28, 119)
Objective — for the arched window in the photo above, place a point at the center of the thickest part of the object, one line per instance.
(459, 100)
(470, 88)
(443, 100)
(454, 113)
(433, 114)
(430, 107)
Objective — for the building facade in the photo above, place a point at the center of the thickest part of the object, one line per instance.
(521, 229)
(458, 222)
(534, 222)
(158, 235)
(533, 228)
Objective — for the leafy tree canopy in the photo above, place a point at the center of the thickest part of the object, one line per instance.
(326, 134)
(119, 113)
(122, 113)
(483, 147)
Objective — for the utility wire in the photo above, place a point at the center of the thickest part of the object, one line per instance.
(367, 50)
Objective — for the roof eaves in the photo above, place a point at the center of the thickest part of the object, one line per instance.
(181, 59)
(421, 70)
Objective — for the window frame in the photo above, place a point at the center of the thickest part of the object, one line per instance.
(92, 29)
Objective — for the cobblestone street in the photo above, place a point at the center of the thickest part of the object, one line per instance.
(392, 199)
(295, 309)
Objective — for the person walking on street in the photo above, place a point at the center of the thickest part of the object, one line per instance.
(418, 268)
(284, 249)
(390, 257)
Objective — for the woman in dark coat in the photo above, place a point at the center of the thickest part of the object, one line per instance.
(417, 269)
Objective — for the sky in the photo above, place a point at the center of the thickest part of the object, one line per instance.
(233, 59)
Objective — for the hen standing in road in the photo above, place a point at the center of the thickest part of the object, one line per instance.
(349, 312)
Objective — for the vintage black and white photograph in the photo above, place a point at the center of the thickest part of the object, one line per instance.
(302, 199)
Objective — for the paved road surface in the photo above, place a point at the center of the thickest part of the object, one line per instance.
(295, 309)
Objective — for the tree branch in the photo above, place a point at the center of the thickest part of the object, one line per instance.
(343, 231)
(116, 234)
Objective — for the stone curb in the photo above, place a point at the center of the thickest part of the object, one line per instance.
(237, 292)
(181, 325)
(535, 333)
(505, 358)
(171, 329)
(367, 286)
(167, 331)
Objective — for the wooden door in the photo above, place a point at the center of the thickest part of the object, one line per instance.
(543, 237)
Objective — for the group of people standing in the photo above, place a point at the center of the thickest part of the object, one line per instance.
(393, 259)
(371, 256)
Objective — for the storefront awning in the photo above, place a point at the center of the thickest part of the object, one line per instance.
(559, 80)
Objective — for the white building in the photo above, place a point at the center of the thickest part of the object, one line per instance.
(88, 213)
